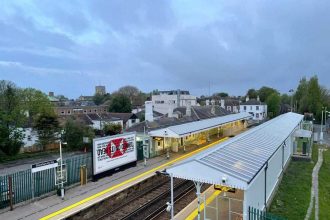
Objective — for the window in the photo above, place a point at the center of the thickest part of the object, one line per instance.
(133, 120)
(69, 112)
(158, 143)
(29, 138)
(62, 112)
(257, 115)
(90, 110)
(85, 111)
(228, 108)
(245, 108)
(95, 110)
(251, 107)
(257, 107)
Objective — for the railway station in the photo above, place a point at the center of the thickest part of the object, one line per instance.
(230, 175)
(247, 169)
(193, 134)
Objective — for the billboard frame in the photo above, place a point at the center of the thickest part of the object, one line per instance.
(111, 170)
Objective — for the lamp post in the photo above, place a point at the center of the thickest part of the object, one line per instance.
(291, 90)
(321, 133)
(61, 169)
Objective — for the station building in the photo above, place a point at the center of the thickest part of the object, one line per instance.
(248, 167)
(186, 128)
(192, 134)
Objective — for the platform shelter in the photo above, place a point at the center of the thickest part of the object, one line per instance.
(250, 165)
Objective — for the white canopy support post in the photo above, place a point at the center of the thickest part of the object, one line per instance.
(172, 198)
(198, 193)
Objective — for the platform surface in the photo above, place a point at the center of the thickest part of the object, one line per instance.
(76, 198)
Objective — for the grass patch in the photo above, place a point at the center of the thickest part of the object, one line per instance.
(324, 187)
(5, 158)
(292, 198)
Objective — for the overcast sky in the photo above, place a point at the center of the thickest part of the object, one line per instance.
(70, 46)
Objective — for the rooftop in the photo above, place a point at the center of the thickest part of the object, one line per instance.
(191, 127)
(240, 158)
(253, 102)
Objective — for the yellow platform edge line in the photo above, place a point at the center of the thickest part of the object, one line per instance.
(129, 180)
(193, 215)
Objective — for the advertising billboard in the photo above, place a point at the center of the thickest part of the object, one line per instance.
(113, 151)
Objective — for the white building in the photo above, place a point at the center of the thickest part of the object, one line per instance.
(255, 107)
(249, 166)
(161, 102)
(30, 137)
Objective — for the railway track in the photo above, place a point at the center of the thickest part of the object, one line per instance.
(180, 202)
(151, 203)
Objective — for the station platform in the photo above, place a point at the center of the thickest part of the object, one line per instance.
(80, 197)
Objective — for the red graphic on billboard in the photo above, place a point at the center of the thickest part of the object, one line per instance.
(116, 147)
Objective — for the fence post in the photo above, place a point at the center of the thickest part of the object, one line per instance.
(32, 184)
(10, 186)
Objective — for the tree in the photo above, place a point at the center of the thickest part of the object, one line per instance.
(120, 103)
(34, 101)
(273, 104)
(264, 92)
(301, 95)
(112, 129)
(129, 91)
(99, 99)
(74, 132)
(314, 102)
(221, 94)
(136, 97)
(47, 126)
(61, 98)
(11, 118)
(10, 137)
(286, 99)
(252, 93)
(310, 97)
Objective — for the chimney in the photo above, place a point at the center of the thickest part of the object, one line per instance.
(51, 94)
(213, 107)
(188, 109)
(222, 103)
(170, 108)
(258, 98)
(247, 98)
(207, 102)
(149, 116)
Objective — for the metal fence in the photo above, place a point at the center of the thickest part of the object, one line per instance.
(26, 185)
(256, 214)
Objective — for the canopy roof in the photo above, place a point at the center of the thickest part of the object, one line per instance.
(185, 129)
(239, 159)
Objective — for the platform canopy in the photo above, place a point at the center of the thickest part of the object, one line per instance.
(303, 133)
(189, 128)
(239, 159)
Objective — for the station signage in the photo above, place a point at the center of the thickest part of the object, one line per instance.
(44, 166)
(113, 151)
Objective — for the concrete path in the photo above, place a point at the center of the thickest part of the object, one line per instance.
(315, 188)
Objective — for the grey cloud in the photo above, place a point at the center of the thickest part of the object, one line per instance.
(145, 43)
